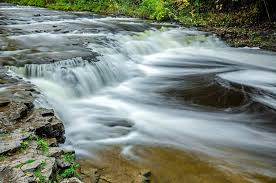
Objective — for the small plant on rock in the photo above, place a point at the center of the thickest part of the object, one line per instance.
(72, 170)
(38, 174)
(42, 145)
(24, 163)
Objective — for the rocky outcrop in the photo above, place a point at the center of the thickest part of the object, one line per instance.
(29, 136)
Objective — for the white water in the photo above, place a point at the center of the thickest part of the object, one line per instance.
(123, 99)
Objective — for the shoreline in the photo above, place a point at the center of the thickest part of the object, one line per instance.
(262, 36)
(239, 38)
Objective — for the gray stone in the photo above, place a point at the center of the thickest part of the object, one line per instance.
(55, 151)
(52, 142)
(9, 145)
(72, 180)
(12, 142)
(18, 121)
(50, 166)
(62, 163)
(31, 166)
(45, 124)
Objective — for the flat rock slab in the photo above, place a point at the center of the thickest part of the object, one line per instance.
(11, 142)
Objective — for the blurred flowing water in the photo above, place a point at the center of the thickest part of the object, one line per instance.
(124, 81)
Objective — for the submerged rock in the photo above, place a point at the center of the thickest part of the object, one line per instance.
(72, 180)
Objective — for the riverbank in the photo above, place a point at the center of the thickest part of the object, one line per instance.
(238, 28)
(30, 137)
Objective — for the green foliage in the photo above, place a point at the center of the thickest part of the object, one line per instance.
(2, 157)
(69, 157)
(24, 163)
(42, 145)
(189, 12)
(153, 9)
(39, 176)
(72, 170)
(38, 173)
(24, 145)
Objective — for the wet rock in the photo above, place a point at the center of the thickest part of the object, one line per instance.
(55, 152)
(72, 180)
(70, 151)
(120, 123)
(4, 102)
(62, 163)
(47, 112)
(89, 171)
(45, 124)
(145, 176)
(145, 173)
(52, 142)
(105, 179)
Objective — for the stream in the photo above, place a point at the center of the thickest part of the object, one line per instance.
(117, 81)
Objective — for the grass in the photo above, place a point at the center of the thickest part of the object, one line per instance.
(42, 145)
(3, 158)
(38, 174)
(72, 170)
(69, 157)
(24, 145)
(24, 163)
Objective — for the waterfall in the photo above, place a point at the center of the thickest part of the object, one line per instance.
(160, 85)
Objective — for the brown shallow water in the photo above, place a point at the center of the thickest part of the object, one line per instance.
(145, 86)
(167, 165)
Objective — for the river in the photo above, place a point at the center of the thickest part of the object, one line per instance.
(129, 83)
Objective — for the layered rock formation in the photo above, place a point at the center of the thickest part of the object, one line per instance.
(29, 137)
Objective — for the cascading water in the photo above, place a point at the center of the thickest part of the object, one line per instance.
(168, 86)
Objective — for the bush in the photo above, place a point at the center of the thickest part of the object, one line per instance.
(154, 9)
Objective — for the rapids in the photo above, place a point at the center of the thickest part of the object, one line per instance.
(128, 82)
